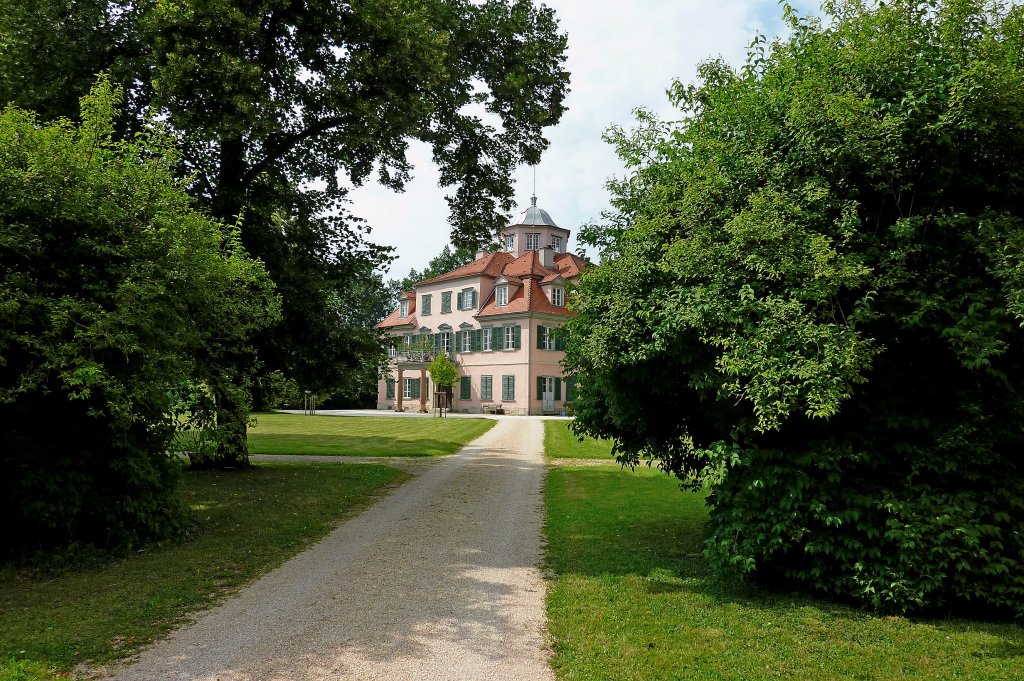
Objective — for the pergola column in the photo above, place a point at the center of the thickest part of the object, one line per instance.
(400, 390)
(423, 390)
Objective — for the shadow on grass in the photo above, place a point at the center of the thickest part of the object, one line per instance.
(349, 445)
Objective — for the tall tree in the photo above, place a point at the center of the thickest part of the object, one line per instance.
(447, 260)
(112, 286)
(813, 303)
(273, 97)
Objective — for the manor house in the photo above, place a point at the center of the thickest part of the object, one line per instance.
(497, 318)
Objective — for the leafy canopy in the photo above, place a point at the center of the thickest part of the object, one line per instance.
(112, 287)
(812, 302)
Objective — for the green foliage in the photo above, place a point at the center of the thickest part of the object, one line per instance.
(112, 289)
(812, 302)
(279, 107)
(443, 370)
(447, 260)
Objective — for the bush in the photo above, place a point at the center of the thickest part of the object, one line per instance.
(812, 302)
(111, 286)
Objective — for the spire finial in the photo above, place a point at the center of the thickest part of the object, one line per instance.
(533, 199)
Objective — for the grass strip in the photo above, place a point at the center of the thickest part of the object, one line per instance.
(362, 435)
(561, 443)
(248, 522)
(634, 598)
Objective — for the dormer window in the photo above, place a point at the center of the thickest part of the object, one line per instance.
(403, 308)
(533, 241)
(510, 242)
(556, 243)
(501, 296)
(558, 296)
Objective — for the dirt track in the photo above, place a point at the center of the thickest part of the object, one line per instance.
(439, 580)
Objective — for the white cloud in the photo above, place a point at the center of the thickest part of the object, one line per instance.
(622, 55)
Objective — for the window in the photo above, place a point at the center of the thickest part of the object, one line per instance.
(465, 341)
(464, 388)
(403, 308)
(533, 241)
(510, 337)
(502, 296)
(508, 388)
(390, 389)
(510, 242)
(446, 343)
(545, 339)
(408, 340)
(446, 302)
(558, 296)
(486, 388)
(486, 340)
(556, 243)
(407, 388)
(426, 305)
(467, 299)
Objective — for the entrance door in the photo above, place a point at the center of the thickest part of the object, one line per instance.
(548, 401)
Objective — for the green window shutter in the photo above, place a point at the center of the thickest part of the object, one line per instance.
(390, 389)
(508, 388)
(477, 340)
(473, 299)
(446, 301)
(497, 338)
(486, 388)
(540, 337)
(437, 342)
(540, 387)
(558, 389)
(517, 333)
(426, 305)
(560, 339)
(464, 388)
(414, 387)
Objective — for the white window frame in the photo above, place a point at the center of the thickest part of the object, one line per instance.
(485, 341)
(407, 389)
(403, 308)
(501, 296)
(533, 241)
(446, 342)
(558, 296)
(510, 242)
(510, 337)
(549, 339)
(467, 340)
(556, 243)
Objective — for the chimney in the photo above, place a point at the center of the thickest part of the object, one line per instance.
(547, 256)
(480, 253)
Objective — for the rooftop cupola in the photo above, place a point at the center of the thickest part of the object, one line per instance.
(532, 230)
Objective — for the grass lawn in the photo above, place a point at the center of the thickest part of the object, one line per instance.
(362, 435)
(247, 523)
(560, 443)
(633, 598)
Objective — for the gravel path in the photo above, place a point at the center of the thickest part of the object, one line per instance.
(439, 580)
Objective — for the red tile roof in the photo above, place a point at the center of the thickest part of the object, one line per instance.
(394, 320)
(490, 265)
(526, 298)
(526, 272)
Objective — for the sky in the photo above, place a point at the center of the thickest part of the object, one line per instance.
(622, 55)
